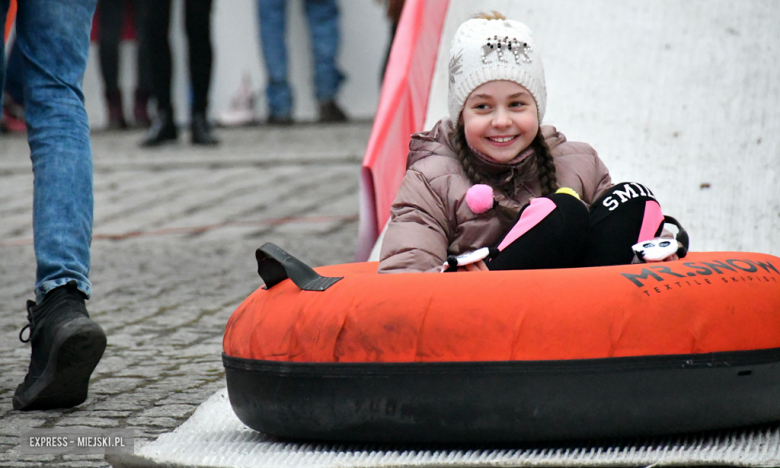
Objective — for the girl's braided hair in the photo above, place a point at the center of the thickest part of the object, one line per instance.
(544, 163)
(548, 179)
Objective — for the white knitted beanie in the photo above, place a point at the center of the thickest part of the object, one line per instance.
(489, 50)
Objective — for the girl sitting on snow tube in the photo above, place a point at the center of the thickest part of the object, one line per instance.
(491, 175)
(345, 354)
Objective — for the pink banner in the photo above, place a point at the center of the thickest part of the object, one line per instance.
(403, 104)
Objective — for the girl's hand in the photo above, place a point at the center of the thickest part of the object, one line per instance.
(476, 266)
(470, 261)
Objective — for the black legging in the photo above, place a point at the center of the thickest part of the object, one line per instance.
(197, 25)
(559, 231)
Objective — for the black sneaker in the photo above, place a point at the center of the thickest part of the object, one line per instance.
(66, 347)
(201, 131)
(163, 130)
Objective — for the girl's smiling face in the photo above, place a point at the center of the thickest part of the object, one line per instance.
(500, 120)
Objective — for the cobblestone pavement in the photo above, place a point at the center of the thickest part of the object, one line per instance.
(173, 254)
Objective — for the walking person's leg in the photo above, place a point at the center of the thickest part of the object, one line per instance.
(53, 37)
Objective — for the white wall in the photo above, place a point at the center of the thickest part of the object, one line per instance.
(364, 28)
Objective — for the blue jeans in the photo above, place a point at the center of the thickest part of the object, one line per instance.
(52, 37)
(323, 18)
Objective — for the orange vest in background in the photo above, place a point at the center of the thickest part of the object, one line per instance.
(9, 21)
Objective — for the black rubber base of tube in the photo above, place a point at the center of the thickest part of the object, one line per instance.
(512, 401)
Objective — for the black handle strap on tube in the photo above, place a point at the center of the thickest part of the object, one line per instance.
(682, 236)
(274, 265)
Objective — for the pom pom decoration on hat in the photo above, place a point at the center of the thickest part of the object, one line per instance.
(486, 50)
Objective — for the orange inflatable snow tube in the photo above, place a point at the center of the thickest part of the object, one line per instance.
(708, 302)
(346, 354)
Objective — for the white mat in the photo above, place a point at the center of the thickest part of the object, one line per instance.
(214, 437)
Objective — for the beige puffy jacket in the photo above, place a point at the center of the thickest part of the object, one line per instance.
(430, 218)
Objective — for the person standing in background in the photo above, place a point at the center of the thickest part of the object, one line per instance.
(111, 16)
(197, 25)
(323, 18)
(52, 37)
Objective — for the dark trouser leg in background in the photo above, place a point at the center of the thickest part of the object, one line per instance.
(160, 52)
(163, 128)
(111, 13)
(143, 90)
(197, 24)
